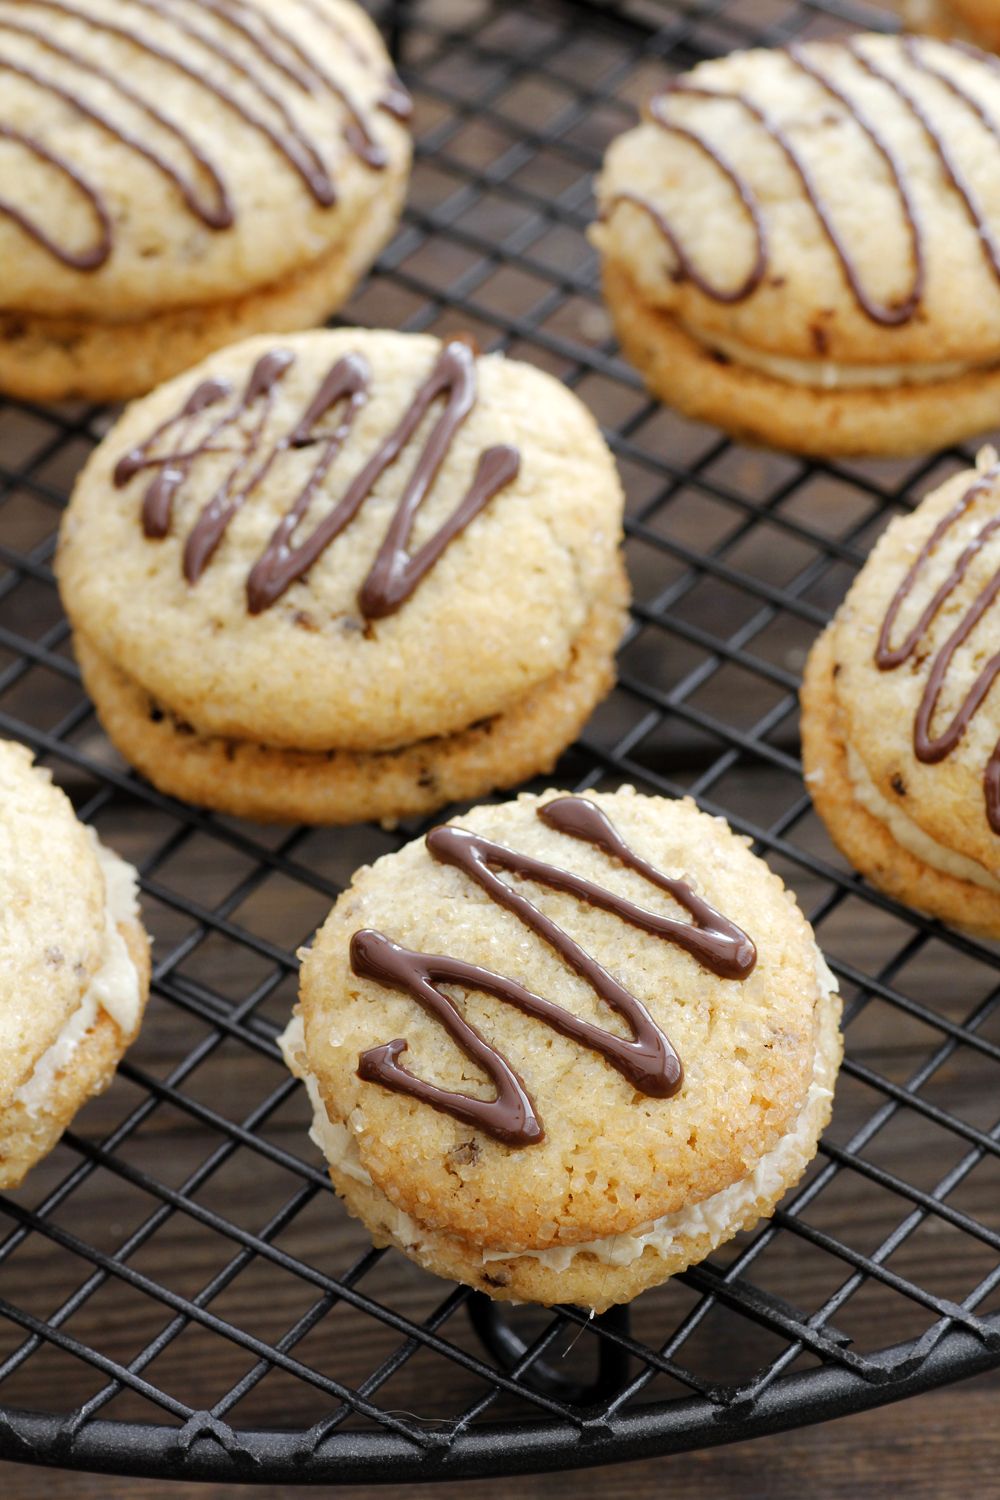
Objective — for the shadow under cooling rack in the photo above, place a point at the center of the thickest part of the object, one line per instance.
(181, 1293)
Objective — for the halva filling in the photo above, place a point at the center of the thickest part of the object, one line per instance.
(828, 374)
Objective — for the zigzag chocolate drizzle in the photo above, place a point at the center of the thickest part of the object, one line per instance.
(276, 58)
(902, 309)
(646, 1058)
(241, 428)
(928, 747)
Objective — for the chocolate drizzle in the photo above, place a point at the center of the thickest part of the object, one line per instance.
(646, 1058)
(241, 428)
(902, 309)
(927, 746)
(266, 54)
(77, 260)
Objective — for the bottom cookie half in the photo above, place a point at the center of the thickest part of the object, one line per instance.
(759, 408)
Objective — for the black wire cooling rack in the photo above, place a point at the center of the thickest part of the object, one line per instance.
(182, 1295)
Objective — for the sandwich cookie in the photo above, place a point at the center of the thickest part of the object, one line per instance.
(901, 712)
(74, 963)
(803, 245)
(177, 176)
(564, 1047)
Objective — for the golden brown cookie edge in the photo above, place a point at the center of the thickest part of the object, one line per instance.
(757, 408)
(269, 785)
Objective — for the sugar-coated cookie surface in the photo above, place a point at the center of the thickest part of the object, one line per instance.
(74, 963)
(803, 245)
(900, 720)
(347, 543)
(666, 1076)
(177, 176)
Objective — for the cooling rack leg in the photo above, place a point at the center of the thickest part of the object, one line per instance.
(509, 1348)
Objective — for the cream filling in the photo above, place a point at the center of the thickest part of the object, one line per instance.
(114, 988)
(829, 375)
(714, 1216)
(907, 834)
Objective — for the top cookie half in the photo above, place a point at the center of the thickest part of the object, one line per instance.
(828, 213)
(157, 155)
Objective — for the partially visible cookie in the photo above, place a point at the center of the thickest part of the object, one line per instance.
(802, 245)
(563, 1047)
(351, 575)
(901, 714)
(74, 963)
(177, 177)
(976, 21)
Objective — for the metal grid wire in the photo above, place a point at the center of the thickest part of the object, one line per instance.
(181, 1293)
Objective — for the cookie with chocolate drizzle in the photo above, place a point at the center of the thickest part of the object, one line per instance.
(901, 708)
(176, 176)
(74, 963)
(803, 245)
(352, 574)
(563, 1047)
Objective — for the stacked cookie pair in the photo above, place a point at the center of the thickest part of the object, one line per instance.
(802, 245)
(176, 177)
(74, 961)
(899, 716)
(350, 575)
